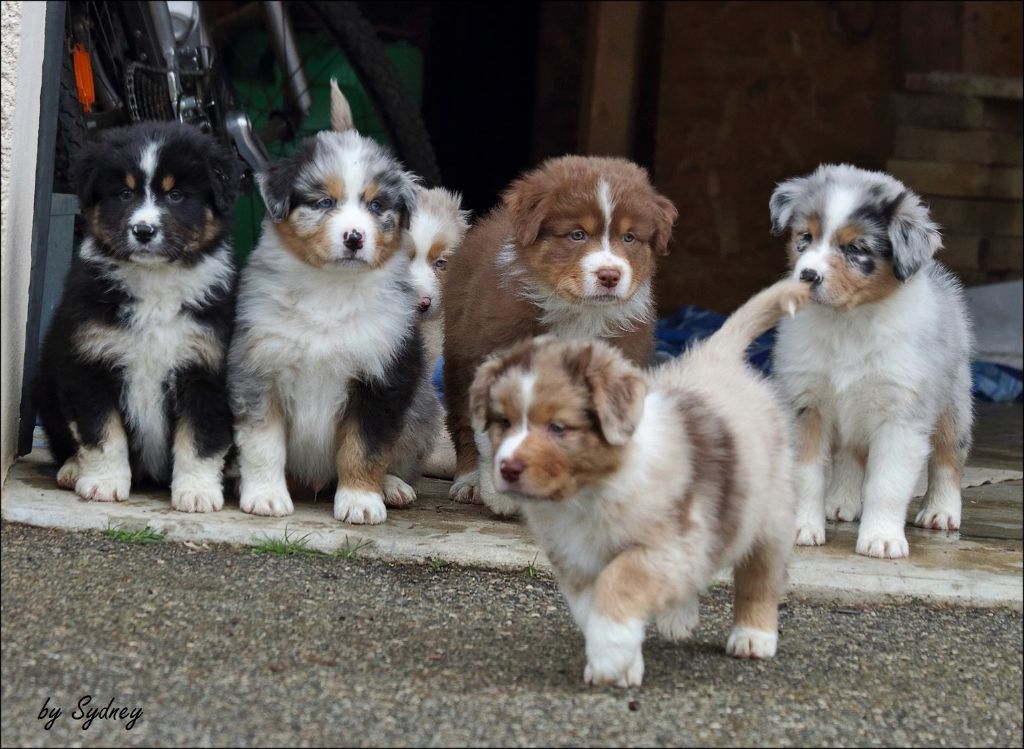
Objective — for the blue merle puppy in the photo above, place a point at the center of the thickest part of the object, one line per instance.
(132, 378)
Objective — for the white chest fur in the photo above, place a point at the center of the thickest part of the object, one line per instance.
(157, 339)
(314, 331)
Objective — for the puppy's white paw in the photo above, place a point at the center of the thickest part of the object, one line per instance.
(746, 642)
(68, 474)
(843, 508)
(397, 493)
(466, 489)
(499, 504)
(884, 545)
(610, 672)
(810, 534)
(678, 624)
(270, 499)
(359, 507)
(938, 519)
(104, 487)
(197, 496)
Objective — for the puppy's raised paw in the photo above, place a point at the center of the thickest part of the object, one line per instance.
(746, 642)
(359, 507)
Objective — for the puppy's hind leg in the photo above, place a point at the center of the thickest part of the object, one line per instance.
(758, 582)
(942, 502)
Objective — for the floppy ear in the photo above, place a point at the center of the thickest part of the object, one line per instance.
(276, 182)
(224, 172)
(341, 112)
(480, 391)
(618, 389)
(914, 236)
(85, 169)
(665, 215)
(527, 200)
(783, 202)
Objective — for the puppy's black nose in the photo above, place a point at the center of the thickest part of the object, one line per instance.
(810, 276)
(353, 239)
(511, 470)
(143, 231)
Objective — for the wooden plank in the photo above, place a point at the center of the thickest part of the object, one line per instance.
(965, 84)
(931, 36)
(609, 102)
(992, 42)
(985, 254)
(974, 147)
(986, 218)
(959, 180)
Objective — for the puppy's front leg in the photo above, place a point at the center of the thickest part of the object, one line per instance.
(201, 440)
(104, 472)
(262, 456)
(895, 459)
(814, 445)
(628, 591)
(361, 474)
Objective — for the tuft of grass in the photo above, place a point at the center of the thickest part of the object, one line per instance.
(143, 536)
(436, 564)
(286, 546)
(351, 551)
(531, 568)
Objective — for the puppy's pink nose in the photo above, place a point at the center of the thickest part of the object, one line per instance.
(609, 277)
(425, 303)
(511, 470)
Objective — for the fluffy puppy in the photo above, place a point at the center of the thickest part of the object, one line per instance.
(571, 251)
(878, 367)
(326, 370)
(132, 381)
(639, 485)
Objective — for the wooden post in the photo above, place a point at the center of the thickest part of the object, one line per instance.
(609, 99)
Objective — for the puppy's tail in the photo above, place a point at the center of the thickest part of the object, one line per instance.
(341, 112)
(757, 316)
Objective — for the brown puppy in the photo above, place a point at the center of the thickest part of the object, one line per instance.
(640, 485)
(571, 251)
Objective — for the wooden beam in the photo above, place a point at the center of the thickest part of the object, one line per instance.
(609, 100)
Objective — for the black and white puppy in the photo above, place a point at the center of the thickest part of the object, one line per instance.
(327, 372)
(132, 378)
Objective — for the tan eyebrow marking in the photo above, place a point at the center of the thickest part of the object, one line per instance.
(168, 183)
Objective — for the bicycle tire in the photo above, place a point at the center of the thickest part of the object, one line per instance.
(72, 132)
(369, 59)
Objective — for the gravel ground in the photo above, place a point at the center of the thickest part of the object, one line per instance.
(225, 646)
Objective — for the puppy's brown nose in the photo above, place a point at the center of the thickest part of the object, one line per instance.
(425, 303)
(353, 239)
(511, 470)
(609, 277)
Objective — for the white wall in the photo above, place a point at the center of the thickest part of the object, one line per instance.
(23, 27)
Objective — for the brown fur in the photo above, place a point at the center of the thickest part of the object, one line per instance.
(946, 450)
(758, 582)
(167, 183)
(810, 426)
(630, 587)
(356, 468)
(129, 179)
(848, 288)
(483, 308)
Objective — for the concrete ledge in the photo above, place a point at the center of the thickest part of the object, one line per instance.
(942, 568)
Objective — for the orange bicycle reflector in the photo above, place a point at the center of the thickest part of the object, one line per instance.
(83, 76)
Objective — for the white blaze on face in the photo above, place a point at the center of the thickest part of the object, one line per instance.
(351, 214)
(424, 231)
(593, 262)
(148, 212)
(516, 433)
(840, 204)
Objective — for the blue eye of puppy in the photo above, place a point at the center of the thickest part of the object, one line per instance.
(806, 237)
(440, 263)
(578, 236)
(375, 207)
(629, 237)
(556, 428)
(325, 203)
(175, 196)
(850, 249)
(126, 194)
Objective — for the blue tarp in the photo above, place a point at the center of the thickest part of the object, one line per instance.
(689, 324)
